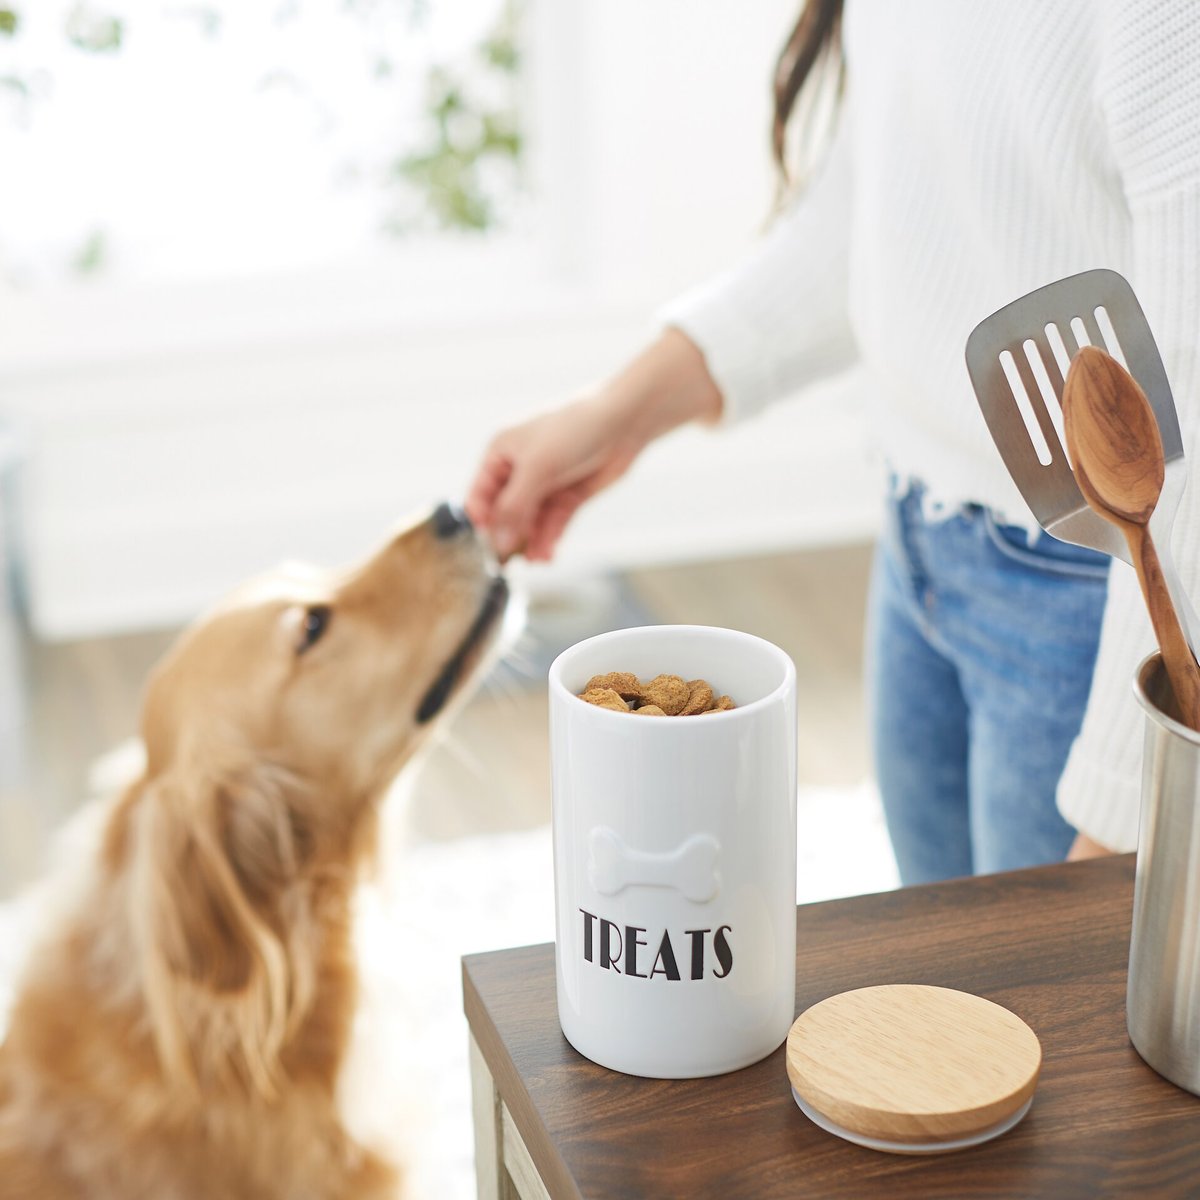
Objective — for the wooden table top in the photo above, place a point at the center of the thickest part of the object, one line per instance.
(1051, 944)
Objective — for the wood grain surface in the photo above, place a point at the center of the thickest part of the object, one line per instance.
(911, 1063)
(1050, 944)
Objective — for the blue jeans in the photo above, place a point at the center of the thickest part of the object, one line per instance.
(980, 652)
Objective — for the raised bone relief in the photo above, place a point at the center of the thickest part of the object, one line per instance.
(691, 868)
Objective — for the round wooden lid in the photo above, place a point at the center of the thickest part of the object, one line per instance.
(911, 1064)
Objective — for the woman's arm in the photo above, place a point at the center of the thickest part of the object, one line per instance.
(774, 322)
(779, 319)
(1149, 89)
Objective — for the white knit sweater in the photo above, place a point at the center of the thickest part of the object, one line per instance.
(987, 148)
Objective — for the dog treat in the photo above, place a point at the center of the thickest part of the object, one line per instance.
(700, 698)
(663, 696)
(605, 698)
(624, 683)
(669, 692)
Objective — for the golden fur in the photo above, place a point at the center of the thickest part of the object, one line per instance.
(178, 1034)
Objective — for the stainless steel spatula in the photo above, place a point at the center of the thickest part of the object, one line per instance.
(1018, 359)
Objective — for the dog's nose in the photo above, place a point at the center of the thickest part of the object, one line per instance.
(449, 521)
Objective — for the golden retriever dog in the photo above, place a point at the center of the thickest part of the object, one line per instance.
(178, 1032)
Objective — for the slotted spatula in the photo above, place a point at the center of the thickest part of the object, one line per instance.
(1018, 359)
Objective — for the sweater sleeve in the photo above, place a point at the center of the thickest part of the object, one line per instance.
(1150, 94)
(779, 319)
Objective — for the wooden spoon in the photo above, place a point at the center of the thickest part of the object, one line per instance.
(1115, 448)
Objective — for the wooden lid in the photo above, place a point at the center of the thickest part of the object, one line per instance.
(912, 1064)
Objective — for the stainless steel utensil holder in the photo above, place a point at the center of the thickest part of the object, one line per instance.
(1163, 996)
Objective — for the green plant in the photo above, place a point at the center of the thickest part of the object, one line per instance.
(91, 28)
(86, 28)
(470, 140)
(464, 172)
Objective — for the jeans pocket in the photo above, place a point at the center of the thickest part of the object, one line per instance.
(1047, 554)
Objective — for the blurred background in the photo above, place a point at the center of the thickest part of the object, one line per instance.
(271, 274)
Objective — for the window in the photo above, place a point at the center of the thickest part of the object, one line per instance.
(207, 139)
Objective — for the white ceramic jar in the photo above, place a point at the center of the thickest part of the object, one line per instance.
(675, 856)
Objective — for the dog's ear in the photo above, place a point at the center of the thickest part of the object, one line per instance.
(226, 968)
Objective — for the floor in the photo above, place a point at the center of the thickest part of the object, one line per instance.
(490, 773)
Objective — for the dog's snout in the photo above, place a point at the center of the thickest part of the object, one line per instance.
(449, 521)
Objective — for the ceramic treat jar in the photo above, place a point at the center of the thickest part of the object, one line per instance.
(675, 856)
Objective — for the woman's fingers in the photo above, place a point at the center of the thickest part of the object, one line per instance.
(517, 507)
(488, 483)
(552, 520)
(534, 476)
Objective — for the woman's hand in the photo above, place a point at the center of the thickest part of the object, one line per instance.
(1084, 847)
(534, 476)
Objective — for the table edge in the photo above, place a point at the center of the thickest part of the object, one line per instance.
(549, 1163)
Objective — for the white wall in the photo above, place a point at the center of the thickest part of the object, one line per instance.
(185, 437)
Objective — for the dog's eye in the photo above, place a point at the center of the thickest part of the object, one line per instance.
(316, 621)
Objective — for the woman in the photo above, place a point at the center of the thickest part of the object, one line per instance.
(981, 151)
